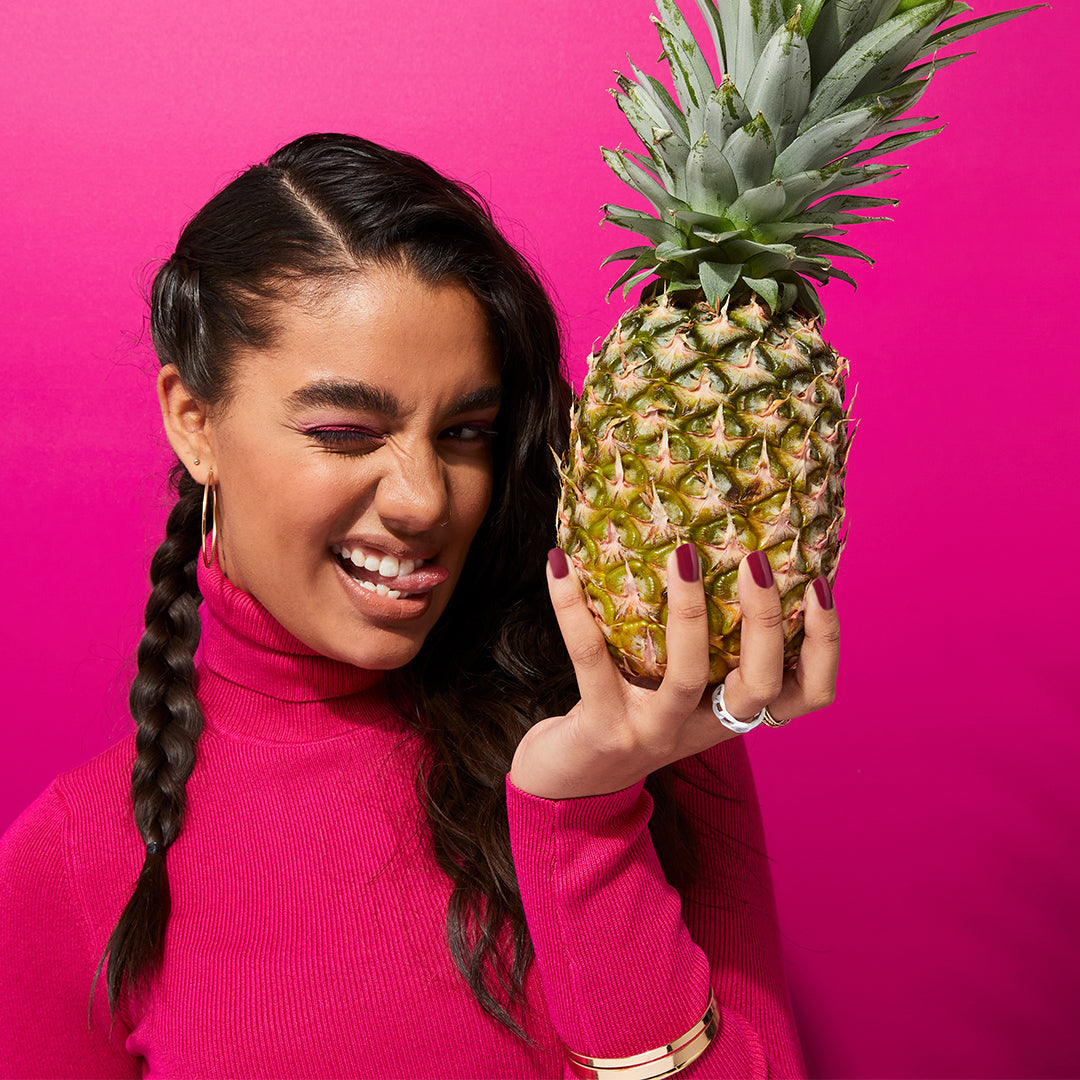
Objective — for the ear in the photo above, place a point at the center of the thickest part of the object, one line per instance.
(187, 423)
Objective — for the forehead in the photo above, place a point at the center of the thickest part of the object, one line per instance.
(425, 344)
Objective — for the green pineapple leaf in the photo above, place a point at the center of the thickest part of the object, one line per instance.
(714, 14)
(725, 112)
(780, 86)
(633, 254)
(757, 22)
(652, 228)
(842, 275)
(643, 182)
(767, 289)
(779, 231)
(809, 300)
(667, 160)
(930, 67)
(656, 94)
(963, 30)
(845, 179)
(810, 11)
(764, 203)
(816, 245)
(710, 183)
(750, 152)
(713, 222)
(828, 140)
(891, 145)
(636, 272)
(689, 70)
(717, 279)
(801, 189)
(875, 51)
(673, 152)
(744, 250)
(842, 203)
(839, 26)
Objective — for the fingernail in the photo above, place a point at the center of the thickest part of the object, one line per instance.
(557, 560)
(760, 568)
(823, 593)
(689, 565)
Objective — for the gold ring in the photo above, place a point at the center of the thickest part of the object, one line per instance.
(770, 721)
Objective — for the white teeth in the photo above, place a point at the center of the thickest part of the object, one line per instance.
(382, 590)
(393, 593)
(370, 585)
(387, 566)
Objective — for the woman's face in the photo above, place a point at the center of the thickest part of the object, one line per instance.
(353, 463)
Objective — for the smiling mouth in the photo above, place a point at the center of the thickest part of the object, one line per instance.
(387, 575)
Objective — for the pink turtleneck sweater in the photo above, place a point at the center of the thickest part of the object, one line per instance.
(308, 927)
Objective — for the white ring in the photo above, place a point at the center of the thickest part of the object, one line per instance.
(738, 726)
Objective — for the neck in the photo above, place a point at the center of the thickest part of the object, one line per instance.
(247, 661)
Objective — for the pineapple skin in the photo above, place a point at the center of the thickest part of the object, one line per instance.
(726, 429)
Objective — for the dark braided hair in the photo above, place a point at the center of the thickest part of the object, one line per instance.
(322, 208)
(170, 720)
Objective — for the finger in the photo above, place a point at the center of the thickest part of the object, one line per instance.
(598, 679)
(759, 678)
(813, 683)
(686, 634)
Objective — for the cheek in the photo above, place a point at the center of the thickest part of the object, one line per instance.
(268, 500)
(475, 492)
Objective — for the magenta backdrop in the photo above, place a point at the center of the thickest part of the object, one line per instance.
(922, 828)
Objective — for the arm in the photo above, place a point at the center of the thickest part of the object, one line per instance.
(585, 860)
(46, 963)
(621, 970)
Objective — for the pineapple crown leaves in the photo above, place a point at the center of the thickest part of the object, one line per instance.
(750, 178)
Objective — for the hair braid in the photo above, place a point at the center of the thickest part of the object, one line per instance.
(170, 720)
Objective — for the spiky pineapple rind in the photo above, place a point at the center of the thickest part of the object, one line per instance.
(726, 429)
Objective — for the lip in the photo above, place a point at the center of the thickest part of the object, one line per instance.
(388, 547)
(385, 608)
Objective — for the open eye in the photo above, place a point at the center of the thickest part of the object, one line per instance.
(469, 433)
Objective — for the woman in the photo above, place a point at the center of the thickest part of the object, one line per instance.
(382, 786)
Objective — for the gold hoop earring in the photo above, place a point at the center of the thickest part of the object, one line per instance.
(208, 559)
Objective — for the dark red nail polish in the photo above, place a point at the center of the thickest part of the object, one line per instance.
(689, 565)
(760, 568)
(823, 593)
(557, 560)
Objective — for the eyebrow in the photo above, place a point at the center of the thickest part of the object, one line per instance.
(354, 396)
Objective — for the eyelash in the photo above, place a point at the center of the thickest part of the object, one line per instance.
(343, 437)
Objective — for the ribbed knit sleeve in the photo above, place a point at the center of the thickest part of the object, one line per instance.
(46, 962)
(625, 962)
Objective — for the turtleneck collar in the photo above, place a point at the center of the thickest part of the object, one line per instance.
(246, 647)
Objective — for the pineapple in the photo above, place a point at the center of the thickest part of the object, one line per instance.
(715, 412)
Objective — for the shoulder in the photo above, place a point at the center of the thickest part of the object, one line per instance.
(66, 865)
(74, 844)
(84, 797)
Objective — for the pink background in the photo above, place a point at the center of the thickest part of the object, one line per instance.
(923, 829)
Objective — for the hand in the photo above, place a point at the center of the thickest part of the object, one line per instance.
(620, 731)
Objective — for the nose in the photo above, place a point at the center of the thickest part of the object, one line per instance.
(413, 494)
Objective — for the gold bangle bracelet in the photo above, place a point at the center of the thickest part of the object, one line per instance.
(653, 1064)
